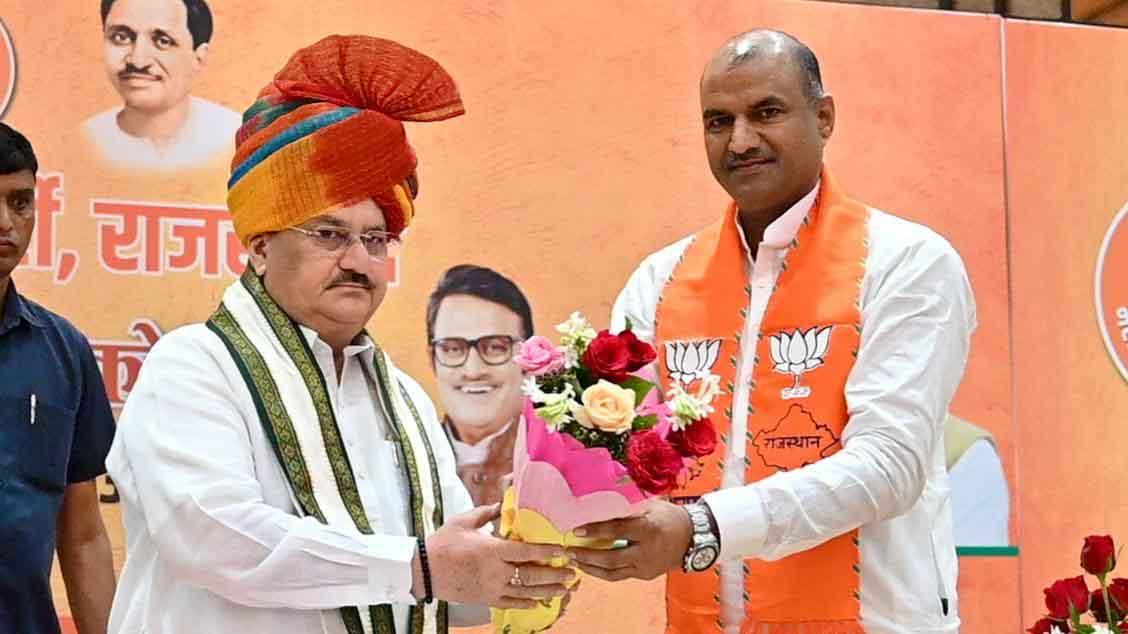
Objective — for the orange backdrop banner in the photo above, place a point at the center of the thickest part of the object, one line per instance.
(581, 152)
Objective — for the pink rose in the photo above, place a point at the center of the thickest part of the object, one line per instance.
(539, 357)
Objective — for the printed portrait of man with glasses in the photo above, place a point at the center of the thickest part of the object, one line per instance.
(476, 320)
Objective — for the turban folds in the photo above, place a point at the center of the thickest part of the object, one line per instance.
(327, 132)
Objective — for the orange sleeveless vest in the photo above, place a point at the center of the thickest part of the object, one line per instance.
(806, 347)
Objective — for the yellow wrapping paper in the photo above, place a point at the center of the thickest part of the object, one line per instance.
(532, 527)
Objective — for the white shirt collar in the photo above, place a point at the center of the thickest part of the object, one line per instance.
(479, 451)
(782, 230)
(361, 345)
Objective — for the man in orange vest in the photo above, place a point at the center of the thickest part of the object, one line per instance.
(839, 334)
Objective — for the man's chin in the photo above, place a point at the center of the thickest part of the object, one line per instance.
(146, 101)
(476, 426)
(8, 264)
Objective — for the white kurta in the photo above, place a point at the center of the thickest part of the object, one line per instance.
(918, 313)
(214, 543)
(208, 135)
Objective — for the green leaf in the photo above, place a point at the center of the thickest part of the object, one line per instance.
(1084, 628)
(642, 423)
(629, 325)
(641, 387)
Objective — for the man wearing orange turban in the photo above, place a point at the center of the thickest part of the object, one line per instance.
(277, 472)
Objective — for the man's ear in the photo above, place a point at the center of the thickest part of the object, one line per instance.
(256, 253)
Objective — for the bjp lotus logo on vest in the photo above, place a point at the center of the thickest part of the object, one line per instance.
(1111, 291)
(798, 353)
(689, 361)
(7, 69)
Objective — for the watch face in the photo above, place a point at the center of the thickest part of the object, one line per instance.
(704, 558)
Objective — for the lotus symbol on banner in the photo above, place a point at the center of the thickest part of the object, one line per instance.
(689, 361)
(797, 353)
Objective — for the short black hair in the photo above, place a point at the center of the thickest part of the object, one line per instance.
(16, 153)
(199, 20)
(483, 283)
(801, 54)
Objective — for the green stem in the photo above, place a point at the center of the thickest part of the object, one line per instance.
(1112, 620)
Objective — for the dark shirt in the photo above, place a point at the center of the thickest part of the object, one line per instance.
(60, 440)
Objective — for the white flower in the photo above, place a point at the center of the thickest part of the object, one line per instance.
(687, 407)
(577, 332)
(530, 389)
(556, 413)
(571, 358)
(554, 406)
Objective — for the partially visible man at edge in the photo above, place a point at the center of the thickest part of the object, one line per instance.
(840, 334)
(277, 472)
(55, 429)
(476, 321)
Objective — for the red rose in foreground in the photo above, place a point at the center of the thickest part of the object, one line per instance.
(1046, 626)
(697, 441)
(1118, 592)
(1064, 593)
(608, 357)
(641, 353)
(1098, 555)
(653, 463)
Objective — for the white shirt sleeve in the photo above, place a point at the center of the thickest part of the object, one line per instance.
(638, 301)
(917, 318)
(980, 498)
(186, 447)
(456, 499)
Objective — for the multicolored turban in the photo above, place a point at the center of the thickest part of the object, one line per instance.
(327, 132)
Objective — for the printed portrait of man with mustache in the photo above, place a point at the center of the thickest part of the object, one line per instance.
(153, 51)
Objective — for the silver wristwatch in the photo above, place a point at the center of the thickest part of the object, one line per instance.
(704, 546)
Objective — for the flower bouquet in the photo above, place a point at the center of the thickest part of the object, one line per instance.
(1069, 600)
(597, 440)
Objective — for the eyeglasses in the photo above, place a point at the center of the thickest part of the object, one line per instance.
(452, 352)
(336, 239)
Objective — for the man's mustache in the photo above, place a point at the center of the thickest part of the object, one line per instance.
(352, 277)
(732, 159)
(134, 71)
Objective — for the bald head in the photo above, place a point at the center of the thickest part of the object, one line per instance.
(763, 44)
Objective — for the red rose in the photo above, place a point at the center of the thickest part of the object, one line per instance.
(696, 441)
(1064, 593)
(641, 352)
(1118, 592)
(653, 463)
(1097, 605)
(1045, 626)
(1098, 555)
(608, 357)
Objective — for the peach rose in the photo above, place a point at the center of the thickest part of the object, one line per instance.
(607, 407)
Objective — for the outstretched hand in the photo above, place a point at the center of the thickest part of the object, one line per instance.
(657, 540)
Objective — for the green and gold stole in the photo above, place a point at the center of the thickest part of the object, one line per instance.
(294, 408)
